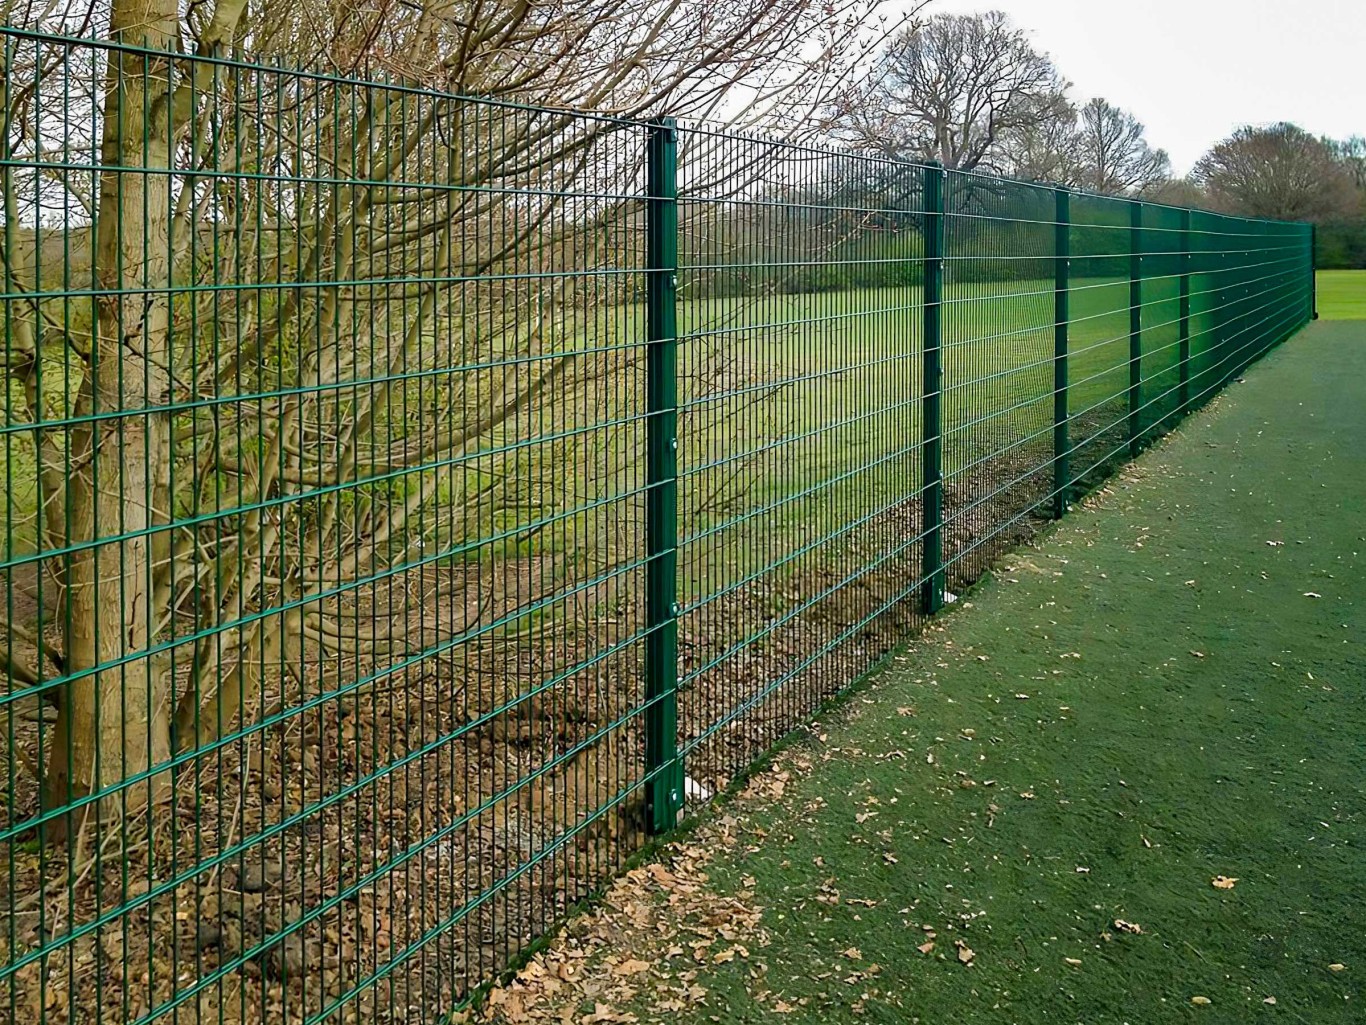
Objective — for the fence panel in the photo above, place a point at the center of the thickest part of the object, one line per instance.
(801, 314)
(1163, 274)
(998, 365)
(411, 500)
(328, 420)
(1102, 246)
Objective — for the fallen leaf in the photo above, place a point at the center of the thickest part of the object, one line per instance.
(906, 710)
(889, 857)
(724, 956)
(1075, 962)
(1269, 1000)
(1130, 927)
(926, 947)
(1312, 594)
(1224, 882)
(1028, 795)
(1201, 1001)
(1337, 967)
(853, 954)
(632, 966)
(965, 953)
(604, 1014)
(1198, 654)
(783, 1007)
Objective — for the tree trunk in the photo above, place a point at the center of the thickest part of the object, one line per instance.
(114, 720)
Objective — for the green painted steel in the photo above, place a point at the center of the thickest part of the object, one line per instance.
(1135, 326)
(1313, 272)
(932, 389)
(1062, 316)
(1184, 313)
(415, 501)
(664, 800)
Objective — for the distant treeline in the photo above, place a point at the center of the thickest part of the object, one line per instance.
(1341, 244)
(996, 232)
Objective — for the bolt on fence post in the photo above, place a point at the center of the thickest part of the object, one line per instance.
(664, 772)
(931, 408)
(1062, 315)
(1135, 324)
(1184, 342)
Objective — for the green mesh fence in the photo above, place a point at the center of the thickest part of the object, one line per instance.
(413, 502)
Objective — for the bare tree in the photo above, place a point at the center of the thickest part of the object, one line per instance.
(1044, 148)
(1281, 172)
(1113, 155)
(1178, 192)
(304, 484)
(1352, 154)
(951, 88)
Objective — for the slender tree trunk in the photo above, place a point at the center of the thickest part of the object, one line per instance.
(114, 722)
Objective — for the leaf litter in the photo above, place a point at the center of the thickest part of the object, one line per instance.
(672, 922)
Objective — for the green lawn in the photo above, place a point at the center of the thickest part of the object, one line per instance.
(1342, 294)
(801, 413)
(1166, 691)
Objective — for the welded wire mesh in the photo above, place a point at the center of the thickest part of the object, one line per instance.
(411, 498)
(330, 415)
(998, 366)
(800, 373)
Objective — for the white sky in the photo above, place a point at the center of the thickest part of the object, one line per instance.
(1194, 70)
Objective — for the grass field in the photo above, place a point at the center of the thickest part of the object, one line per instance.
(1342, 294)
(1024, 818)
(801, 413)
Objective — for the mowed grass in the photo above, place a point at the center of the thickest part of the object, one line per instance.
(801, 414)
(1342, 294)
(1022, 821)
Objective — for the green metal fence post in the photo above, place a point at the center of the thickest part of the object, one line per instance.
(664, 791)
(1313, 272)
(1184, 342)
(932, 436)
(1135, 325)
(1062, 315)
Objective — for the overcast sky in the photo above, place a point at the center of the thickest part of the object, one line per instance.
(1193, 70)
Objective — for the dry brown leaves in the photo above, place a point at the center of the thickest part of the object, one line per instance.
(645, 945)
